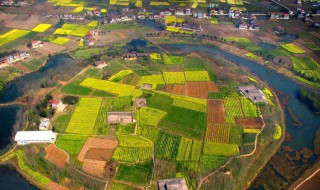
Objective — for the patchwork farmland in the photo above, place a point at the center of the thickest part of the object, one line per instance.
(174, 122)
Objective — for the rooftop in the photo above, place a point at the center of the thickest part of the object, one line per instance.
(34, 135)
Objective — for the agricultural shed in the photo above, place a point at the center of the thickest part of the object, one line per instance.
(120, 117)
(100, 64)
(44, 124)
(253, 93)
(28, 137)
(145, 86)
(172, 184)
(140, 102)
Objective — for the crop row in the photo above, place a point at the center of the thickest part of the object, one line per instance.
(249, 108)
(84, 116)
(12, 35)
(134, 141)
(189, 105)
(189, 150)
(174, 77)
(232, 107)
(128, 154)
(120, 75)
(112, 87)
(150, 116)
(148, 132)
(37, 177)
(197, 76)
(220, 149)
(218, 133)
(167, 146)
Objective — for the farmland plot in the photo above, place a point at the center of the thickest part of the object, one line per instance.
(150, 116)
(138, 174)
(216, 112)
(134, 141)
(148, 132)
(249, 122)
(12, 35)
(249, 108)
(119, 103)
(189, 150)
(160, 101)
(292, 48)
(174, 77)
(201, 89)
(112, 87)
(128, 154)
(152, 79)
(189, 105)
(56, 156)
(94, 167)
(120, 75)
(84, 116)
(210, 162)
(306, 67)
(232, 107)
(167, 146)
(60, 40)
(219, 149)
(194, 76)
(187, 118)
(41, 27)
(218, 133)
(181, 130)
(172, 60)
(72, 144)
(193, 64)
(176, 89)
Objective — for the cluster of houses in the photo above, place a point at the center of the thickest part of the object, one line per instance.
(253, 93)
(279, 16)
(252, 25)
(66, 17)
(14, 57)
(134, 55)
(94, 13)
(11, 3)
(116, 19)
(91, 37)
(36, 44)
(187, 26)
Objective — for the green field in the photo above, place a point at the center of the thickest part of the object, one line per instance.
(249, 108)
(209, 162)
(36, 176)
(108, 86)
(119, 186)
(152, 79)
(148, 132)
(75, 89)
(292, 48)
(41, 27)
(133, 141)
(189, 150)
(174, 77)
(306, 67)
(219, 149)
(120, 75)
(132, 155)
(187, 118)
(71, 143)
(252, 56)
(61, 122)
(160, 101)
(167, 146)
(84, 116)
(181, 130)
(232, 107)
(12, 35)
(87, 53)
(60, 40)
(155, 56)
(237, 39)
(150, 116)
(138, 174)
(73, 29)
(193, 64)
(312, 46)
(119, 103)
(172, 60)
(189, 105)
(193, 76)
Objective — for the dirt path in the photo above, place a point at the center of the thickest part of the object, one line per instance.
(314, 173)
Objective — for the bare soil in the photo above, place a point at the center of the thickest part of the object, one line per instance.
(55, 186)
(201, 89)
(50, 48)
(249, 122)
(56, 156)
(99, 154)
(216, 112)
(94, 167)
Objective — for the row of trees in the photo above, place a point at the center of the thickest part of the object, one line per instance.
(311, 98)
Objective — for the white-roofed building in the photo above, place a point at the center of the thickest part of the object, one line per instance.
(28, 137)
(44, 124)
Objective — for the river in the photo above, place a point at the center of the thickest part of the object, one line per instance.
(303, 136)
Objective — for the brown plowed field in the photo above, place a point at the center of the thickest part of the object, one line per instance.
(56, 156)
(99, 154)
(176, 89)
(94, 167)
(97, 143)
(218, 133)
(201, 89)
(216, 112)
(249, 122)
(55, 186)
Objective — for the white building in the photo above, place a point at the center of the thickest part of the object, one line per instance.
(44, 124)
(28, 137)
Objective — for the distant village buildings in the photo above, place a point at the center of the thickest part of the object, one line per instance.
(11, 3)
(253, 93)
(283, 16)
(36, 44)
(134, 55)
(14, 57)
